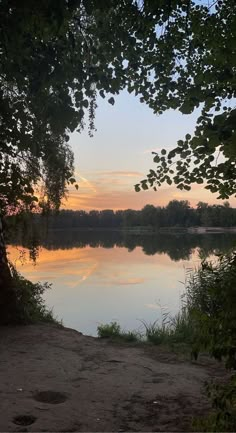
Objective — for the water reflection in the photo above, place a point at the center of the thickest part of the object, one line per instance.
(178, 246)
(99, 277)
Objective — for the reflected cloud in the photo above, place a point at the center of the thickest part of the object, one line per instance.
(129, 281)
(99, 283)
(153, 306)
(72, 284)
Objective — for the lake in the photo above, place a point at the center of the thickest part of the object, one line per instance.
(98, 277)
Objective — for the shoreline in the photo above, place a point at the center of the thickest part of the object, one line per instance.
(147, 230)
(56, 379)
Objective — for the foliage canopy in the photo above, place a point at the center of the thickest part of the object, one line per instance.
(57, 57)
(196, 70)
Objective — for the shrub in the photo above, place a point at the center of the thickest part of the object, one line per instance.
(172, 330)
(113, 330)
(109, 330)
(31, 307)
(223, 416)
(211, 304)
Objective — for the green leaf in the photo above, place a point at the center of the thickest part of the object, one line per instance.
(85, 103)
(144, 185)
(102, 94)
(156, 159)
(111, 100)
(72, 180)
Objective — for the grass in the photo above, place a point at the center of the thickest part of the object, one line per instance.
(178, 333)
(172, 331)
(206, 322)
(212, 423)
(113, 330)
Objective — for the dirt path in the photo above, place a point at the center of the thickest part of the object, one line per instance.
(60, 380)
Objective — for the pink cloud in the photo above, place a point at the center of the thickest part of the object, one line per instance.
(118, 193)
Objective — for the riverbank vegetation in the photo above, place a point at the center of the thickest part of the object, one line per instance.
(30, 307)
(206, 323)
(175, 332)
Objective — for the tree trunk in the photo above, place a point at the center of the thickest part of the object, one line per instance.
(8, 299)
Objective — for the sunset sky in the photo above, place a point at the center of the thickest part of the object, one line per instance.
(119, 156)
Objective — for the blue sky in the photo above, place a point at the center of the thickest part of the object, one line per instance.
(119, 155)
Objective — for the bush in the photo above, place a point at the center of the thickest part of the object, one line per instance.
(113, 330)
(223, 416)
(172, 330)
(109, 330)
(31, 307)
(211, 303)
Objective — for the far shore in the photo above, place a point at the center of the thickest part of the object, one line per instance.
(147, 230)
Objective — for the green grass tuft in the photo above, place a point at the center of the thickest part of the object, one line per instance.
(109, 330)
(113, 330)
(172, 330)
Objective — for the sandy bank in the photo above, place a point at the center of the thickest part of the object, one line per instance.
(61, 380)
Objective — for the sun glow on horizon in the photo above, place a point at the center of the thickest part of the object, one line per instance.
(119, 155)
(115, 191)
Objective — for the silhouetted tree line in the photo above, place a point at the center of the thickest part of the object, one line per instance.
(175, 214)
(56, 230)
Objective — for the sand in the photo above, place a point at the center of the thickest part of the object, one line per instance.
(56, 379)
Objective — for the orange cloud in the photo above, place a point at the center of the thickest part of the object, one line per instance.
(85, 181)
(116, 199)
(127, 282)
(115, 190)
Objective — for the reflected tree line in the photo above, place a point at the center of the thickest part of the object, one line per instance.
(177, 246)
(175, 214)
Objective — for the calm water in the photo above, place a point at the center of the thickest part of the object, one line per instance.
(101, 277)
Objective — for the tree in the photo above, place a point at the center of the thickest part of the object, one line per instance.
(149, 215)
(197, 70)
(56, 57)
(177, 213)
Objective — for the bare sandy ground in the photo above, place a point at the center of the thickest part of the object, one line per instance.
(55, 379)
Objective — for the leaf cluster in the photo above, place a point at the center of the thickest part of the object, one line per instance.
(198, 72)
(56, 58)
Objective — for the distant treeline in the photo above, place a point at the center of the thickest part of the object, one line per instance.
(175, 214)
